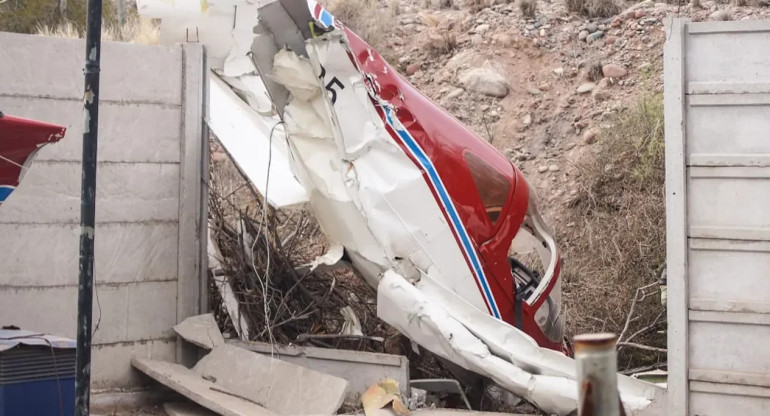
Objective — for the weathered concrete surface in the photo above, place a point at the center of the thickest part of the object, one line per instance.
(205, 393)
(120, 124)
(201, 330)
(148, 213)
(131, 72)
(284, 388)
(107, 364)
(360, 369)
(186, 409)
(42, 254)
(126, 193)
(131, 311)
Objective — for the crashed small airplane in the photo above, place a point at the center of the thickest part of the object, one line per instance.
(20, 139)
(433, 217)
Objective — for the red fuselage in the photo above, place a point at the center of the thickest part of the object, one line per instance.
(489, 193)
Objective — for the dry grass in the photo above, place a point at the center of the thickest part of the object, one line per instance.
(134, 30)
(440, 38)
(528, 8)
(595, 72)
(373, 20)
(440, 42)
(25, 16)
(595, 8)
(618, 242)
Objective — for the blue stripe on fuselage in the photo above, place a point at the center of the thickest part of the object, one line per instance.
(427, 165)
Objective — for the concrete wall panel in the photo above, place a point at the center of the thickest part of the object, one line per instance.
(125, 129)
(134, 311)
(111, 363)
(41, 67)
(47, 254)
(125, 192)
(717, 103)
(149, 259)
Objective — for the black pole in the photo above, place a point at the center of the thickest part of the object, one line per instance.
(87, 207)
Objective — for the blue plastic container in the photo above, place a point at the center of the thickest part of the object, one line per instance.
(37, 374)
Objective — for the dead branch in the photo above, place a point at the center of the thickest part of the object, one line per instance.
(644, 368)
(637, 298)
(259, 251)
(642, 347)
(306, 337)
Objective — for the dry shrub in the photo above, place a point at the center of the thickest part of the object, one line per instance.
(618, 242)
(439, 39)
(134, 30)
(528, 8)
(26, 16)
(373, 20)
(594, 8)
(440, 43)
(595, 72)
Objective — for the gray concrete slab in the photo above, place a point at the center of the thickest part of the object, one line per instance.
(281, 387)
(207, 394)
(201, 330)
(360, 369)
(186, 409)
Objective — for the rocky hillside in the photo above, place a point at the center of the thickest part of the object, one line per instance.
(538, 88)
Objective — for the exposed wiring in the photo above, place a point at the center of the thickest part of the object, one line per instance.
(262, 233)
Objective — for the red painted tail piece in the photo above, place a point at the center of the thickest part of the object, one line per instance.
(20, 138)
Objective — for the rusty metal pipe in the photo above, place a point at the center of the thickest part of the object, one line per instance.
(597, 375)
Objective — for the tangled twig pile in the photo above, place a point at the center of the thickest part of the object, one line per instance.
(263, 255)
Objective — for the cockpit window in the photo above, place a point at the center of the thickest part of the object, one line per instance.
(493, 186)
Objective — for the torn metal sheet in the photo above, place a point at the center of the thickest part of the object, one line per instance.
(432, 216)
(20, 139)
(254, 142)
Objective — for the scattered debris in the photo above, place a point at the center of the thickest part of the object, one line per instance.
(351, 326)
(384, 393)
(442, 385)
(201, 330)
